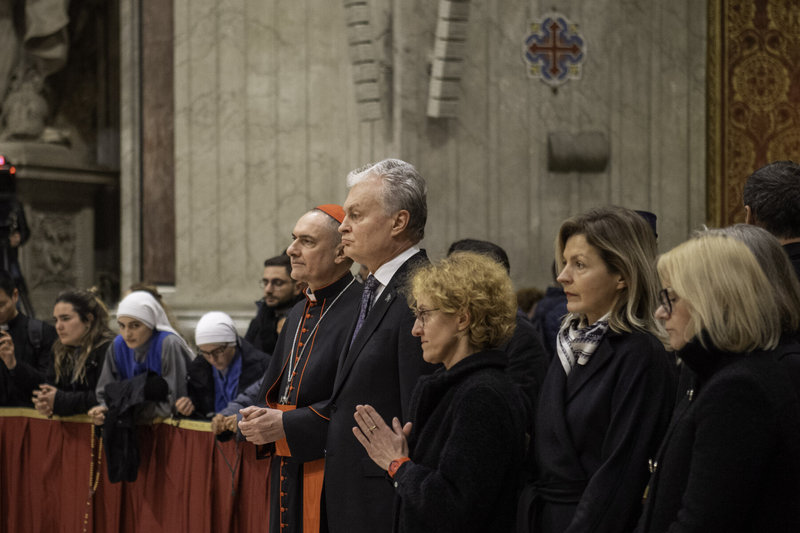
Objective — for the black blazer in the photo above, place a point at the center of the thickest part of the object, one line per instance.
(380, 368)
(595, 431)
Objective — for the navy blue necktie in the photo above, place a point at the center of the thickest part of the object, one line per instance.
(366, 299)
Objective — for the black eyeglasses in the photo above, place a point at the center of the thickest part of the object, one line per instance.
(215, 353)
(666, 301)
(421, 313)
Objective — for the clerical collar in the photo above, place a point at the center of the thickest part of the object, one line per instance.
(295, 355)
(329, 290)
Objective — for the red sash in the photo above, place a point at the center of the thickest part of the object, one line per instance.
(313, 473)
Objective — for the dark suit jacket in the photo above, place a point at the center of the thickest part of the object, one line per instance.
(595, 431)
(380, 368)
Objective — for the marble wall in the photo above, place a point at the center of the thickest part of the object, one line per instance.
(267, 125)
(642, 85)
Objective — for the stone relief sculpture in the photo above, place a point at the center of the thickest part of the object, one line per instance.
(33, 45)
(53, 261)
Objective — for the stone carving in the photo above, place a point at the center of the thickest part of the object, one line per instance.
(53, 243)
(449, 55)
(364, 57)
(33, 46)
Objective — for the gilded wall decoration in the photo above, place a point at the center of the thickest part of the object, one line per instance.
(753, 96)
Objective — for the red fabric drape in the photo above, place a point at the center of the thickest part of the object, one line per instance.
(184, 482)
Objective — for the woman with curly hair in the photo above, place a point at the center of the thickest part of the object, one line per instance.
(455, 463)
(83, 337)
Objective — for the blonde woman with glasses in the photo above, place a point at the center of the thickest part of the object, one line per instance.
(730, 461)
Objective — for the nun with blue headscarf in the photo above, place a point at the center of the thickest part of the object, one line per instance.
(226, 365)
(146, 343)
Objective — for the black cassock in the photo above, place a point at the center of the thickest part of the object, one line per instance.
(312, 346)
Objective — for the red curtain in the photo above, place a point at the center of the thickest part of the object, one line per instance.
(184, 483)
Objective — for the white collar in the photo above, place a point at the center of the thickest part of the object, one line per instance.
(386, 271)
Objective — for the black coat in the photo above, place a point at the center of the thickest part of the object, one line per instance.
(380, 368)
(527, 361)
(788, 353)
(731, 459)
(200, 378)
(793, 251)
(547, 317)
(33, 340)
(74, 398)
(263, 329)
(124, 399)
(595, 430)
(466, 444)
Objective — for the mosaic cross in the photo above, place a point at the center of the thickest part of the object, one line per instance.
(554, 50)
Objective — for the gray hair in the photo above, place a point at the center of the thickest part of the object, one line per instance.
(403, 189)
(776, 266)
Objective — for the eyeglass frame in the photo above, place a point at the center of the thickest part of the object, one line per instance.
(420, 315)
(263, 282)
(215, 353)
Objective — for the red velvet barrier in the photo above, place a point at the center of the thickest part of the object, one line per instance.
(184, 481)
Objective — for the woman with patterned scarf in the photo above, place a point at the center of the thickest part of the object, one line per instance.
(607, 397)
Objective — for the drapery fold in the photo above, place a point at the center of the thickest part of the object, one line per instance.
(185, 482)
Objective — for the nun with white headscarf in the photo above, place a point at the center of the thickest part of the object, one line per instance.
(146, 342)
(226, 365)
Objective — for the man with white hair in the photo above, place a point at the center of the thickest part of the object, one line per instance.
(226, 366)
(385, 214)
